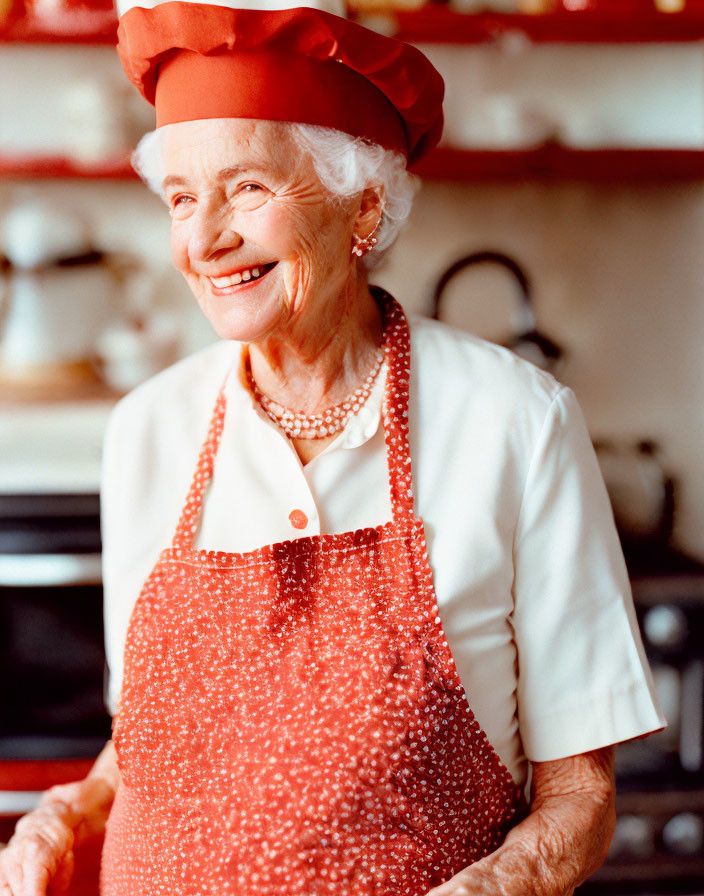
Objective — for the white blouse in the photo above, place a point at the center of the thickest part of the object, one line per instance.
(530, 580)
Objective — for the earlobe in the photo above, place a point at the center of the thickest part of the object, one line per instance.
(371, 209)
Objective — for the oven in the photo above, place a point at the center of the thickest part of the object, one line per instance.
(658, 845)
(52, 658)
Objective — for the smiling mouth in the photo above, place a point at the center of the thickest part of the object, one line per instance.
(247, 275)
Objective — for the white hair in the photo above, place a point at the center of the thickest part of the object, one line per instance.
(344, 164)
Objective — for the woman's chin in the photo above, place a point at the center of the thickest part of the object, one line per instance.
(241, 321)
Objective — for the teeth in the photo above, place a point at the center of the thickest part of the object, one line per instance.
(226, 281)
(235, 279)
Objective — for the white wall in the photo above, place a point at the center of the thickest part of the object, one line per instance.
(618, 272)
(618, 281)
(586, 95)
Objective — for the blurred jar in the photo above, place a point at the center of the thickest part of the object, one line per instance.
(384, 6)
(58, 294)
(97, 120)
(612, 7)
(495, 121)
(71, 16)
(474, 6)
(130, 353)
(10, 11)
(537, 7)
(52, 9)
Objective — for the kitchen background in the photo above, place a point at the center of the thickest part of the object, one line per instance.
(563, 215)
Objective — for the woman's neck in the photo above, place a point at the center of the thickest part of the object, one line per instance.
(315, 366)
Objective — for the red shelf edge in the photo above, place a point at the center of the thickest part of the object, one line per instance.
(41, 774)
(57, 167)
(437, 24)
(554, 162)
(550, 162)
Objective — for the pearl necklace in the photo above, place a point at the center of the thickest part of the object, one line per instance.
(298, 425)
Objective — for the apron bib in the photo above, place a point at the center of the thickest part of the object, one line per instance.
(291, 720)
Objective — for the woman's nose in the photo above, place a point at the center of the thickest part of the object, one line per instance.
(213, 232)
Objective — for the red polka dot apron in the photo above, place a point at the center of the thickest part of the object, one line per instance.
(291, 720)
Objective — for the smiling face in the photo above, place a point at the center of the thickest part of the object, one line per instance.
(259, 240)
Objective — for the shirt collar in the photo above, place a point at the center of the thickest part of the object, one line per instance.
(364, 424)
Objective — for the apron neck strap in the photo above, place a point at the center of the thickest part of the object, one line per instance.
(397, 345)
(190, 515)
(394, 414)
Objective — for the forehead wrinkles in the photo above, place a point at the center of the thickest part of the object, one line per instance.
(195, 138)
(188, 147)
(285, 153)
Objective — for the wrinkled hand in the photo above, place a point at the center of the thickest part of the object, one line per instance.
(564, 839)
(477, 880)
(38, 860)
(481, 879)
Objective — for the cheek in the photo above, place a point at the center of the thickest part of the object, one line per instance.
(292, 228)
(275, 228)
(294, 238)
(317, 244)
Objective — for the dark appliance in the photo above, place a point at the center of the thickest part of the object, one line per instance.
(52, 672)
(658, 846)
(52, 658)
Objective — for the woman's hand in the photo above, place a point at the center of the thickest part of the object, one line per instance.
(565, 838)
(38, 860)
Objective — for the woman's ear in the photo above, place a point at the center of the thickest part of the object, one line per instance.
(371, 208)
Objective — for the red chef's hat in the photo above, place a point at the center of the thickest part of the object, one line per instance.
(201, 60)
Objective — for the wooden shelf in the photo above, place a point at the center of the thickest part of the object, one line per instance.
(555, 162)
(549, 162)
(438, 24)
(58, 167)
(435, 24)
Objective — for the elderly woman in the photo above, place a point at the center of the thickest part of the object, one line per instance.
(394, 586)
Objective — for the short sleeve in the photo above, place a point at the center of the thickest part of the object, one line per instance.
(128, 538)
(114, 606)
(583, 679)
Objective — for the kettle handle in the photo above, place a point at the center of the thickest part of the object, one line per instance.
(529, 333)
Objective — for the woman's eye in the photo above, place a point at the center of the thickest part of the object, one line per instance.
(250, 196)
(178, 205)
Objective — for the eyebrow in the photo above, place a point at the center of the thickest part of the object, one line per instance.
(224, 174)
